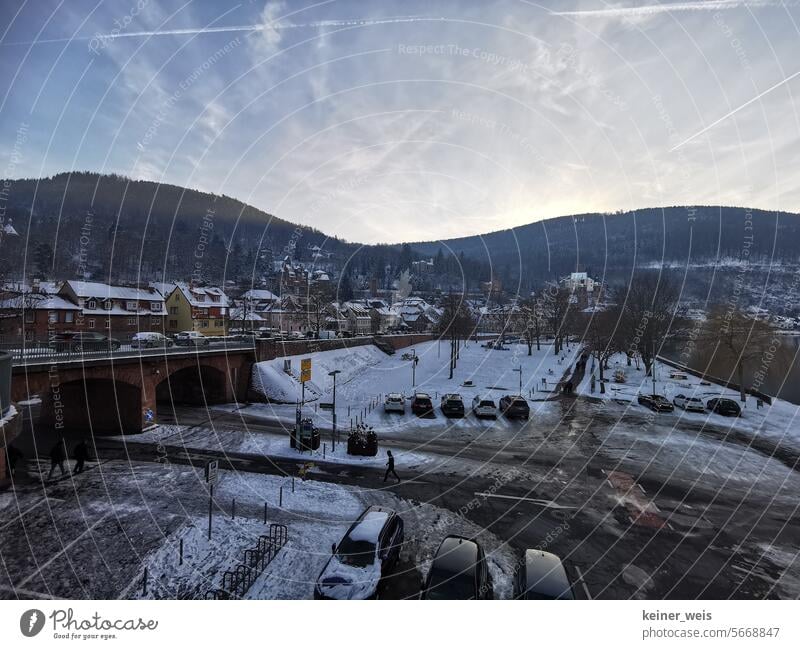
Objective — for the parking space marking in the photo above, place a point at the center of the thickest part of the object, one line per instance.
(31, 508)
(62, 551)
(583, 583)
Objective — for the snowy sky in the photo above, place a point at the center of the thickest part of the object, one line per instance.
(390, 121)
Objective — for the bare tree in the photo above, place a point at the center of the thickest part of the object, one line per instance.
(738, 339)
(530, 322)
(648, 306)
(604, 337)
(558, 313)
(320, 297)
(456, 323)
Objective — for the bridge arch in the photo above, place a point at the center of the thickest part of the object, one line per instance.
(99, 406)
(195, 385)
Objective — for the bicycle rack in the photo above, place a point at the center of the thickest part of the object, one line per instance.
(236, 582)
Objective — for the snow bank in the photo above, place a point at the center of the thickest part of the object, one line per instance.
(270, 379)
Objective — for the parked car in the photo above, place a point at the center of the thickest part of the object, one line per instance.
(191, 339)
(542, 576)
(484, 407)
(690, 404)
(514, 407)
(421, 405)
(394, 402)
(150, 339)
(656, 402)
(458, 571)
(367, 552)
(725, 407)
(83, 341)
(452, 405)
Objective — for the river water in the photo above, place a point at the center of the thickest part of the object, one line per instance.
(782, 373)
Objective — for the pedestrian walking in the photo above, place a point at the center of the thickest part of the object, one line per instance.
(58, 455)
(390, 467)
(80, 453)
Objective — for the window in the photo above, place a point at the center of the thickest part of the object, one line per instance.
(69, 317)
(52, 317)
(131, 305)
(132, 321)
(204, 324)
(155, 306)
(91, 323)
(29, 335)
(173, 324)
(108, 323)
(107, 305)
(30, 316)
(219, 323)
(155, 322)
(91, 304)
(173, 310)
(215, 298)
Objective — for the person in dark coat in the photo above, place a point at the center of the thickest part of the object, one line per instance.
(81, 454)
(13, 455)
(58, 455)
(390, 467)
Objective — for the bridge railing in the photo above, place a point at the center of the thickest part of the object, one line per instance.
(35, 351)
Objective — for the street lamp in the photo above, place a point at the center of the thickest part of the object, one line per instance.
(519, 369)
(413, 368)
(333, 434)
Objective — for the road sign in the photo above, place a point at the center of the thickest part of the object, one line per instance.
(305, 370)
(212, 469)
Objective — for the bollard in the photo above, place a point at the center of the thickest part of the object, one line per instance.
(233, 508)
(180, 562)
(348, 411)
(265, 513)
(144, 582)
(292, 484)
(324, 449)
(280, 497)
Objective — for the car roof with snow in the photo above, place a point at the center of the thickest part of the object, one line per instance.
(369, 527)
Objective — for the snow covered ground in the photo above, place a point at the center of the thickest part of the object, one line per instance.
(368, 375)
(317, 515)
(776, 423)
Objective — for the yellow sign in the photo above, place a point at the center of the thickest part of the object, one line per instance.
(305, 370)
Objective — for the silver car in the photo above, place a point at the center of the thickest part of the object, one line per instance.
(394, 402)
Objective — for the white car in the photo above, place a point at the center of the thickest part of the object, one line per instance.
(690, 404)
(147, 339)
(394, 402)
(484, 407)
(191, 339)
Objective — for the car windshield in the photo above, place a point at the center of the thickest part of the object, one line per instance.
(487, 404)
(445, 585)
(360, 553)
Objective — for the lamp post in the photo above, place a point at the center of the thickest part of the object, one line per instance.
(333, 434)
(519, 369)
(413, 368)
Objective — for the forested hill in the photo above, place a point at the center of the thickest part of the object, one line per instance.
(155, 230)
(611, 244)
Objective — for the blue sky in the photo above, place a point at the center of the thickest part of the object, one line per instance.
(392, 121)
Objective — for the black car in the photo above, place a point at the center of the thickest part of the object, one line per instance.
(452, 405)
(367, 552)
(458, 571)
(542, 576)
(725, 407)
(422, 406)
(83, 341)
(515, 407)
(656, 402)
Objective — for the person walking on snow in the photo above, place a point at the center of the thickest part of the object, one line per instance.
(58, 454)
(390, 467)
(81, 454)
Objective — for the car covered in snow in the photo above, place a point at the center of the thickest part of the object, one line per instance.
(452, 405)
(656, 402)
(484, 407)
(690, 404)
(724, 407)
(541, 576)
(458, 571)
(367, 552)
(421, 405)
(150, 339)
(394, 402)
(514, 407)
(191, 339)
